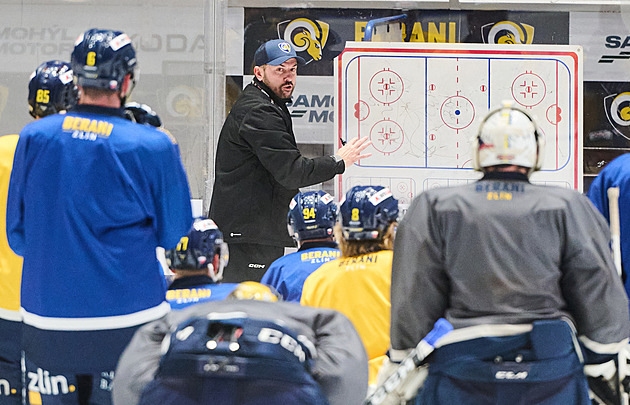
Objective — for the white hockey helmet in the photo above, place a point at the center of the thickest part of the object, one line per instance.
(508, 136)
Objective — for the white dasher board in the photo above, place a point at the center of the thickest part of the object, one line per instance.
(421, 103)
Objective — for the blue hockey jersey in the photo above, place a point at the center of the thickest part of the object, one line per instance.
(287, 274)
(91, 196)
(186, 291)
(615, 174)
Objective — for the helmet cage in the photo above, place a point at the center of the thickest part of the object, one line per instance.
(367, 212)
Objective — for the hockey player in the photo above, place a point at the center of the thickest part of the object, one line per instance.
(615, 174)
(50, 90)
(358, 283)
(245, 352)
(198, 262)
(311, 219)
(91, 196)
(518, 269)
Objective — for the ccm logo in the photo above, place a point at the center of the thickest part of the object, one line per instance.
(510, 375)
(287, 342)
(257, 266)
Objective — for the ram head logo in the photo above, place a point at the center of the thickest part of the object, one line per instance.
(305, 35)
(617, 107)
(507, 32)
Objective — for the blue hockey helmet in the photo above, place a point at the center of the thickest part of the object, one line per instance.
(367, 211)
(312, 215)
(51, 89)
(102, 59)
(202, 248)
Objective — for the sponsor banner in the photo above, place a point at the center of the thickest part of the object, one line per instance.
(607, 114)
(513, 27)
(319, 35)
(312, 109)
(169, 41)
(31, 35)
(606, 125)
(605, 38)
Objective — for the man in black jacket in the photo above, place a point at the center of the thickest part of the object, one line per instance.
(258, 167)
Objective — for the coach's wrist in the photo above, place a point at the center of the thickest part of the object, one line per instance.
(340, 164)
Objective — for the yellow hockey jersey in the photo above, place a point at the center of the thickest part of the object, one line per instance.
(358, 287)
(10, 263)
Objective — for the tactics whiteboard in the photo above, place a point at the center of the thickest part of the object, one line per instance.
(421, 103)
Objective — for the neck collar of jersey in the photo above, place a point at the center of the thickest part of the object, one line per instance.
(307, 244)
(190, 281)
(505, 176)
(97, 109)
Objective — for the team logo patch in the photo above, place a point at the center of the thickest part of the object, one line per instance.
(66, 77)
(326, 199)
(376, 198)
(119, 41)
(284, 47)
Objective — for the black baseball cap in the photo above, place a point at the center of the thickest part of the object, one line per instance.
(276, 52)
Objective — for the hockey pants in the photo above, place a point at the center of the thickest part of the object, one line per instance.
(538, 367)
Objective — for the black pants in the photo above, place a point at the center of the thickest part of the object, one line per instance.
(249, 261)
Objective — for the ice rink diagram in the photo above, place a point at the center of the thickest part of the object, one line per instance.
(421, 104)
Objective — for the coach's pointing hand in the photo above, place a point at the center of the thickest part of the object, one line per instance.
(351, 151)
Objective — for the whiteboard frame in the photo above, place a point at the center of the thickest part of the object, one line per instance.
(573, 53)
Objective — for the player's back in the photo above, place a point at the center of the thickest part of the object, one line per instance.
(358, 287)
(94, 194)
(508, 244)
(288, 273)
(185, 296)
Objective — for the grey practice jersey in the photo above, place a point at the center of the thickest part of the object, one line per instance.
(341, 366)
(504, 251)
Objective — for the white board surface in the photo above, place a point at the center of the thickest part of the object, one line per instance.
(421, 104)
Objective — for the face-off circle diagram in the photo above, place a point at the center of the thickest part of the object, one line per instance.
(386, 136)
(554, 114)
(361, 110)
(457, 112)
(386, 86)
(528, 89)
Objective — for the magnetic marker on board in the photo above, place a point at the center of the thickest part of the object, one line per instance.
(343, 143)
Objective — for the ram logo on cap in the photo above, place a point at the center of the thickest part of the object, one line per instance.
(284, 47)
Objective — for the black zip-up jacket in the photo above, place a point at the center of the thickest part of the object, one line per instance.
(258, 169)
